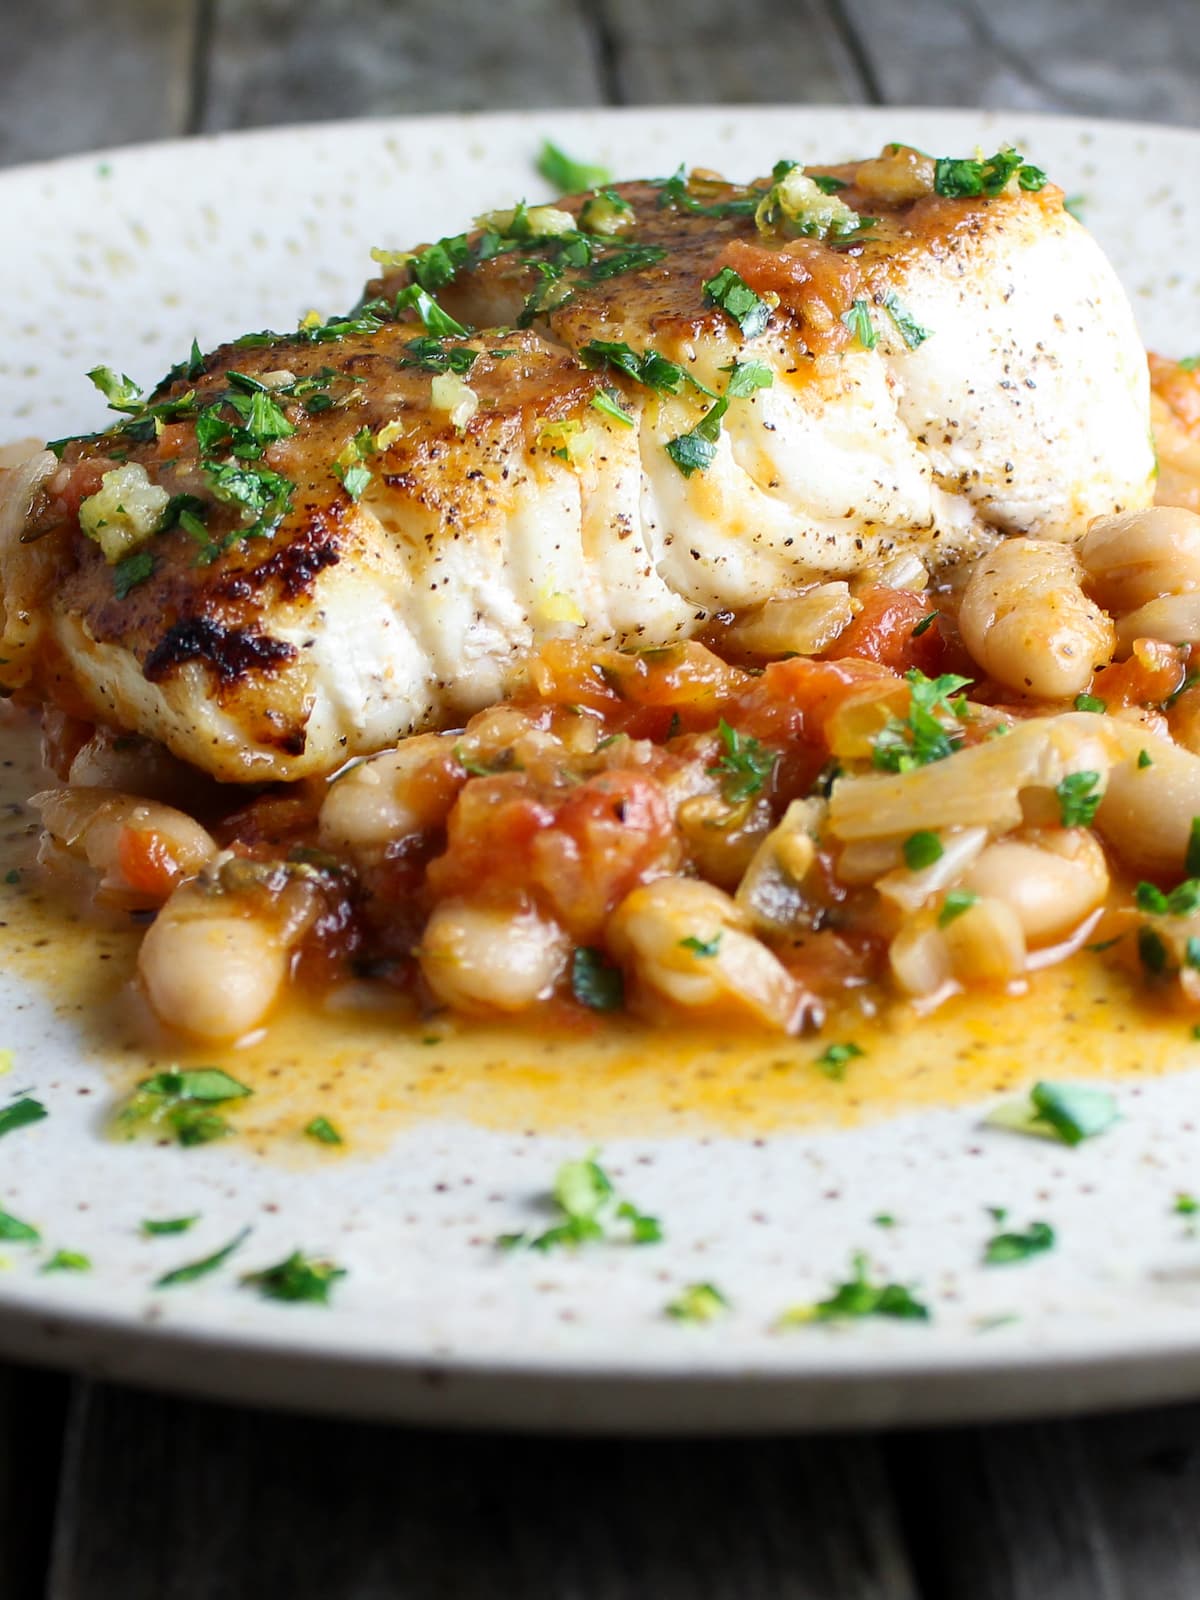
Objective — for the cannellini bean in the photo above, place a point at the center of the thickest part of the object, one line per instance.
(1050, 879)
(801, 624)
(1139, 556)
(986, 943)
(1173, 618)
(1147, 811)
(1027, 622)
(89, 824)
(213, 964)
(400, 792)
(688, 944)
(483, 958)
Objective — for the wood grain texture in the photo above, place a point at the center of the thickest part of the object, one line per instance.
(1107, 1509)
(173, 1500)
(77, 76)
(270, 61)
(1094, 57)
(761, 51)
(32, 1409)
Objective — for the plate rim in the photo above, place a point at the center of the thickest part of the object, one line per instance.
(271, 1369)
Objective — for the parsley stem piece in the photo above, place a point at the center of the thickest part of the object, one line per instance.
(192, 1270)
(20, 1113)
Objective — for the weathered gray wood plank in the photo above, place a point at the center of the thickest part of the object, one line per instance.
(1107, 1509)
(272, 61)
(80, 76)
(173, 1500)
(1094, 57)
(759, 51)
(32, 1410)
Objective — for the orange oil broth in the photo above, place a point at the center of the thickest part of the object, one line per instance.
(373, 1067)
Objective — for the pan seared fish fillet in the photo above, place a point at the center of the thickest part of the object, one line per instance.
(302, 547)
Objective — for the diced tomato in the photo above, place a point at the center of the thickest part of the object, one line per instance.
(883, 631)
(74, 484)
(612, 833)
(146, 863)
(810, 278)
(488, 837)
(1152, 673)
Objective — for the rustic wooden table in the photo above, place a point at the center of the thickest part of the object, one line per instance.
(108, 1492)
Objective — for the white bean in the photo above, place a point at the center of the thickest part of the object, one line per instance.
(210, 967)
(1173, 618)
(89, 824)
(482, 958)
(1148, 810)
(1051, 879)
(688, 944)
(398, 793)
(1142, 555)
(1027, 622)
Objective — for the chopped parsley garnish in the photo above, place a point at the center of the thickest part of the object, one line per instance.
(968, 178)
(1144, 760)
(356, 480)
(859, 1298)
(832, 1060)
(926, 622)
(956, 902)
(180, 1104)
(696, 450)
(433, 355)
(746, 765)
(907, 326)
(1185, 1205)
(650, 369)
(68, 1261)
(1065, 1111)
(566, 174)
(437, 322)
(14, 1231)
(298, 1277)
(921, 850)
(589, 1209)
(131, 570)
(595, 982)
(121, 392)
(606, 402)
(1152, 952)
(629, 259)
(1004, 1248)
(1075, 1113)
(323, 1131)
(698, 1302)
(20, 1113)
(922, 737)
(735, 297)
(1090, 702)
(192, 1270)
(157, 1227)
(1182, 901)
(1078, 799)
(858, 320)
(701, 947)
(675, 191)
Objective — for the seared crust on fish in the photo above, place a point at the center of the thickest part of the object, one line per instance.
(336, 538)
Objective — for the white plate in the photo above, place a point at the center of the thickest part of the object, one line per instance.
(119, 258)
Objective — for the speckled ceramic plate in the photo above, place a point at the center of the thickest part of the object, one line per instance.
(122, 257)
